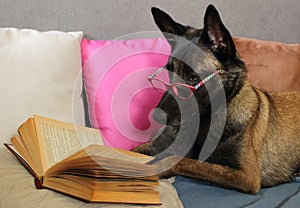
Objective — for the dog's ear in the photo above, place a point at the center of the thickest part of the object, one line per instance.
(167, 25)
(217, 36)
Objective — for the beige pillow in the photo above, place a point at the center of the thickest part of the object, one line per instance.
(40, 74)
(272, 66)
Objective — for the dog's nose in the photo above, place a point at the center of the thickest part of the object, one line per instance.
(160, 116)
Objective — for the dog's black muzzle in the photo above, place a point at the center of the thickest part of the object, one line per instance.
(160, 116)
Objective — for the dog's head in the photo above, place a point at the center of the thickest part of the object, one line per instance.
(196, 54)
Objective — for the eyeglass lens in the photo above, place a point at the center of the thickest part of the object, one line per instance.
(179, 90)
(159, 86)
(182, 91)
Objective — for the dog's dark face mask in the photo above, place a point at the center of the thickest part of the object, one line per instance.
(197, 53)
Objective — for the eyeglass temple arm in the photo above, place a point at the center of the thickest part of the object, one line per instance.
(157, 72)
(208, 78)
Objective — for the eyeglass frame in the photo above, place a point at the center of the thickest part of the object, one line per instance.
(173, 86)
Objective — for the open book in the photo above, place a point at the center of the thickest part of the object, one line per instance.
(72, 160)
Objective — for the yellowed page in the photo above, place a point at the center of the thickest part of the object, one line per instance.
(29, 138)
(59, 140)
(118, 154)
(22, 151)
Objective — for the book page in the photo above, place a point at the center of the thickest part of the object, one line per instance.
(97, 161)
(59, 140)
(23, 160)
(119, 154)
(19, 147)
(29, 138)
(112, 153)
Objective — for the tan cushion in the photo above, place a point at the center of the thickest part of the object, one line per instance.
(272, 66)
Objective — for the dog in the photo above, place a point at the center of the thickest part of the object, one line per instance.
(259, 144)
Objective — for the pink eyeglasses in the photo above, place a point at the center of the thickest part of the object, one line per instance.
(183, 91)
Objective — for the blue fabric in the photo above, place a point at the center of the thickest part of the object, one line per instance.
(197, 194)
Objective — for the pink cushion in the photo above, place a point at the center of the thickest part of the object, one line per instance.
(120, 98)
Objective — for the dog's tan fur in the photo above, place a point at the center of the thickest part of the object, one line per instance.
(270, 150)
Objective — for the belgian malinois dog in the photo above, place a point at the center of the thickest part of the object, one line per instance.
(259, 144)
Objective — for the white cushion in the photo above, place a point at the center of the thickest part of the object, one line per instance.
(40, 73)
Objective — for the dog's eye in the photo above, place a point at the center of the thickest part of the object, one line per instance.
(170, 65)
(193, 78)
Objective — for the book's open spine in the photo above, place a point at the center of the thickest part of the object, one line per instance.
(38, 182)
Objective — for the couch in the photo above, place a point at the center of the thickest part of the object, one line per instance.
(62, 59)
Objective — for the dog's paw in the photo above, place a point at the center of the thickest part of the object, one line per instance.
(143, 149)
(167, 167)
(296, 174)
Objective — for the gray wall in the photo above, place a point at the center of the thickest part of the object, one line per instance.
(107, 19)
